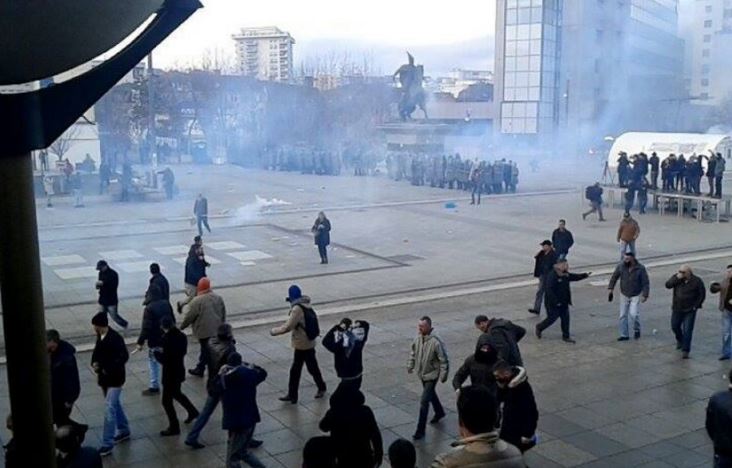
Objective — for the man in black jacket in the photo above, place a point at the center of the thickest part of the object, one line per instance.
(160, 281)
(150, 332)
(543, 263)
(65, 387)
(594, 194)
(346, 341)
(654, 163)
(171, 353)
(478, 366)
(688, 297)
(719, 426)
(195, 269)
(562, 239)
(503, 336)
(107, 283)
(559, 298)
(108, 362)
(520, 415)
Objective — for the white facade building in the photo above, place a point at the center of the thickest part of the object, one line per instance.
(711, 50)
(265, 53)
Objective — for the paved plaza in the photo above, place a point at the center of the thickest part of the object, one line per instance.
(400, 252)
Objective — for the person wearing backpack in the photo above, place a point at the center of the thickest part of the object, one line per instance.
(303, 325)
(593, 193)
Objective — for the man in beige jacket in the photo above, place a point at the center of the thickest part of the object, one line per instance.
(304, 346)
(628, 232)
(428, 360)
(205, 313)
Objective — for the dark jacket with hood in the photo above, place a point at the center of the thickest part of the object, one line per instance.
(108, 289)
(65, 387)
(219, 350)
(478, 366)
(171, 355)
(562, 240)
(544, 261)
(353, 429)
(558, 294)
(719, 422)
(520, 415)
(238, 388)
(503, 336)
(347, 349)
(155, 311)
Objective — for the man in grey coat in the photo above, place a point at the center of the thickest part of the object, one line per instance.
(428, 360)
(634, 289)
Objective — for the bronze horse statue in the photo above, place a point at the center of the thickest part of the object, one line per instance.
(413, 94)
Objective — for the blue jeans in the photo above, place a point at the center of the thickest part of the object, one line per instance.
(682, 324)
(112, 311)
(629, 306)
(727, 333)
(212, 401)
(626, 247)
(154, 366)
(202, 220)
(115, 420)
(429, 395)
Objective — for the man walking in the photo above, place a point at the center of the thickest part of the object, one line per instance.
(205, 313)
(428, 360)
(65, 386)
(303, 326)
(562, 240)
(155, 311)
(238, 386)
(107, 284)
(688, 297)
(594, 194)
(503, 336)
(634, 289)
(628, 232)
(171, 353)
(200, 211)
(220, 348)
(544, 261)
(108, 362)
(725, 307)
(719, 426)
(346, 341)
(195, 269)
(559, 298)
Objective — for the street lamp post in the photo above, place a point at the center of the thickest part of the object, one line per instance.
(39, 45)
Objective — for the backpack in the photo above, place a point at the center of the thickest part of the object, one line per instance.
(312, 328)
(589, 192)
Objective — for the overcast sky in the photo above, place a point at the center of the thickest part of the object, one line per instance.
(399, 24)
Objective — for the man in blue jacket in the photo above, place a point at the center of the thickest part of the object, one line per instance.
(238, 384)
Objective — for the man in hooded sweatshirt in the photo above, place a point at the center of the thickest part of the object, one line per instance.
(503, 336)
(429, 361)
(353, 429)
(65, 385)
(205, 313)
(156, 309)
(346, 341)
(520, 415)
(303, 345)
(478, 366)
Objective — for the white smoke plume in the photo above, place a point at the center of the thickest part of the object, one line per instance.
(252, 211)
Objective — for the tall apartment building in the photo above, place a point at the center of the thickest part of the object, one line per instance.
(265, 53)
(581, 69)
(711, 50)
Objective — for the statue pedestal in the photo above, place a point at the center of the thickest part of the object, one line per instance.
(421, 136)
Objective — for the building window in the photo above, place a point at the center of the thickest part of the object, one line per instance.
(705, 69)
(707, 38)
(704, 95)
(598, 35)
(707, 23)
(727, 13)
(705, 82)
(708, 8)
(705, 53)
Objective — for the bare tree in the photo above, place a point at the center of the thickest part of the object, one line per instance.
(64, 143)
(217, 60)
